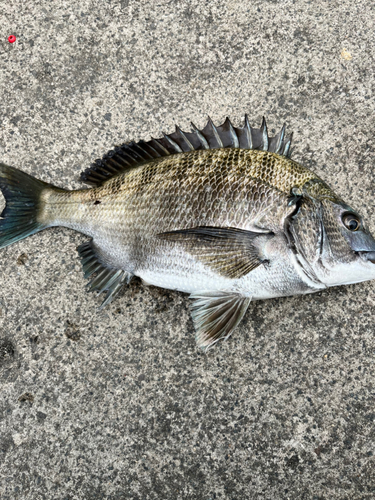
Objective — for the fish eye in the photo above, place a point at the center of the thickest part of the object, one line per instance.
(351, 222)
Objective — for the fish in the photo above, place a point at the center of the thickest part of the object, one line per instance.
(221, 213)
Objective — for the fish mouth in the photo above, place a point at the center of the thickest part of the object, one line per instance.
(368, 256)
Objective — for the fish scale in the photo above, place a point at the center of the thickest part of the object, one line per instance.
(221, 213)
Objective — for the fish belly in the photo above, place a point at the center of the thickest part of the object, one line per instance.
(175, 269)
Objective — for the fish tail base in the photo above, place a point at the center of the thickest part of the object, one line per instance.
(22, 193)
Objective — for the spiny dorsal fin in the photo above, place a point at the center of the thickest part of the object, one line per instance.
(103, 277)
(128, 156)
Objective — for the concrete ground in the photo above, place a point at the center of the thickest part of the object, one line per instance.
(120, 404)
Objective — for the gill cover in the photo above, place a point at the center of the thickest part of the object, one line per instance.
(332, 245)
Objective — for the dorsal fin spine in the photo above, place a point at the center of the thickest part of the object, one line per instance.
(187, 142)
(173, 143)
(216, 133)
(279, 144)
(137, 151)
(132, 152)
(263, 129)
(144, 146)
(127, 156)
(248, 131)
(114, 165)
(287, 150)
(143, 151)
(200, 136)
(235, 141)
(155, 153)
(160, 145)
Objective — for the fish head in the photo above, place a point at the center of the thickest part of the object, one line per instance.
(331, 241)
(348, 254)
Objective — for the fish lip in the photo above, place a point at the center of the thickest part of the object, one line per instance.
(368, 256)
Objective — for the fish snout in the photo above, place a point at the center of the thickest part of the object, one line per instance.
(369, 256)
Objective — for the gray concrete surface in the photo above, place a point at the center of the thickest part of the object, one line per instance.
(120, 404)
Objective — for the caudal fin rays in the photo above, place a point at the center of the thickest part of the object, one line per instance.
(22, 193)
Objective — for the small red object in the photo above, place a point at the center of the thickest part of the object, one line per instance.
(11, 39)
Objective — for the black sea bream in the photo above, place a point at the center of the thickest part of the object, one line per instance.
(222, 214)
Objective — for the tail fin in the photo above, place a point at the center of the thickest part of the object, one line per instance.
(22, 194)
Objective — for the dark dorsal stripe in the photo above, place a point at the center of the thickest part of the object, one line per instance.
(128, 156)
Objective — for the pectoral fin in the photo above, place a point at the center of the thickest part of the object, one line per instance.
(231, 252)
(215, 315)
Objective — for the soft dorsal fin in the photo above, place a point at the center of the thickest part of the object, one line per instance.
(128, 156)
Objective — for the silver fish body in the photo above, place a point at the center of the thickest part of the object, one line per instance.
(128, 223)
(222, 214)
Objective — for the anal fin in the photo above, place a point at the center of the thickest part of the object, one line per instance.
(103, 278)
(215, 315)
